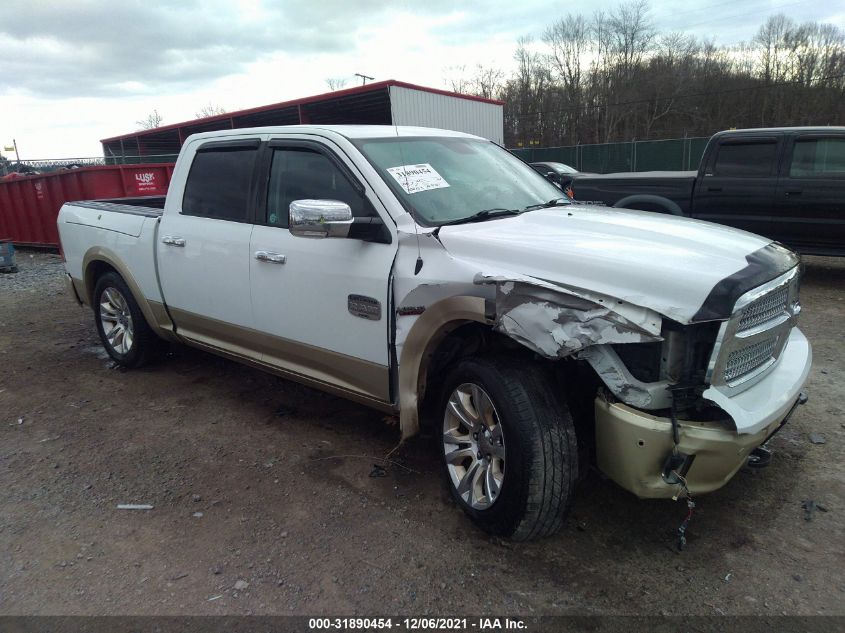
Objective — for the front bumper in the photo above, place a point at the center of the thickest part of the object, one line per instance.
(771, 398)
(632, 446)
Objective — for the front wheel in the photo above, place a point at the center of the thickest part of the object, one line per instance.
(124, 331)
(508, 446)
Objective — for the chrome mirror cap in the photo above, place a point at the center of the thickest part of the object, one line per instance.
(320, 218)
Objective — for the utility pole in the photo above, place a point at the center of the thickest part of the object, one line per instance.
(363, 78)
(14, 148)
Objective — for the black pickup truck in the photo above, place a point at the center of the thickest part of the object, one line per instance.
(787, 184)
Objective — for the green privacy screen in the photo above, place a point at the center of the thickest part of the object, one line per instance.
(677, 154)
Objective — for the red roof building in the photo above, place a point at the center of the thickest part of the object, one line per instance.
(388, 102)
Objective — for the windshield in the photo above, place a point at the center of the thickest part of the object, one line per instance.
(445, 179)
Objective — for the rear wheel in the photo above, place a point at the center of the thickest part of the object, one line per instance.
(508, 446)
(125, 333)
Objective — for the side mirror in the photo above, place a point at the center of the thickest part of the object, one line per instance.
(320, 218)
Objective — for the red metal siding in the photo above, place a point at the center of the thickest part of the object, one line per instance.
(29, 205)
(375, 86)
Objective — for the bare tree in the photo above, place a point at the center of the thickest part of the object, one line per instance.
(335, 83)
(671, 71)
(208, 110)
(153, 120)
(771, 40)
(676, 46)
(601, 78)
(487, 82)
(632, 34)
(612, 76)
(568, 40)
(456, 79)
(532, 89)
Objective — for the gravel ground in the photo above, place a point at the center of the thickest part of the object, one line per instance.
(263, 501)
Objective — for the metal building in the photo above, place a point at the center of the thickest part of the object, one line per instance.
(381, 103)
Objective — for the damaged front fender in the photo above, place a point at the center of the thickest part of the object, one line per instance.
(556, 322)
(552, 320)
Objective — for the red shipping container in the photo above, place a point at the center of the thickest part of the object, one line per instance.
(29, 205)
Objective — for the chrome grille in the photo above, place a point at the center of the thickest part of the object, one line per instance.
(750, 342)
(745, 360)
(764, 309)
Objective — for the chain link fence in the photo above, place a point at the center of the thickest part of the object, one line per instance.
(49, 165)
(677, 154)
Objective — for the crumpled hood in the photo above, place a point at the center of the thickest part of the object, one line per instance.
(665, 263)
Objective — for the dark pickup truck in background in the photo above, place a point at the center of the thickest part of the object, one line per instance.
(787, 184)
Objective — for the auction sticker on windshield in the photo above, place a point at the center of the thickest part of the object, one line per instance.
(417, 178)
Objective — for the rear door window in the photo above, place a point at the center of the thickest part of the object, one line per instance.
(219, 184)
(818, 157)
(749, 159)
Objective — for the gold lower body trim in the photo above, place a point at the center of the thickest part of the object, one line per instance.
(632, 447)
(321, 368)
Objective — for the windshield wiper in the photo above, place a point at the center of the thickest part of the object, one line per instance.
(545, 205)
(498, 212)
(485, 214)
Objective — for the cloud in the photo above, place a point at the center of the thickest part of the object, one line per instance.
(102, 47)
(483, 20)
(68, 48)
(75, 71)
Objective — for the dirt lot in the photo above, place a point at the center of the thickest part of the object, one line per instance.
(264, 504)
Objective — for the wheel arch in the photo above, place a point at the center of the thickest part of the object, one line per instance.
(100, 260)
(668, 205)
(428, 331)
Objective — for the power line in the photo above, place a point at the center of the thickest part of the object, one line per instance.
(741, 15)
(670, 98)
(705, 8)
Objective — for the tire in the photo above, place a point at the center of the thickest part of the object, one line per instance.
(535, 466)
(114, 309)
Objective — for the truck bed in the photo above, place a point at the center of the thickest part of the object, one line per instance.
(123, 230)
(150, 206)
(613, 189)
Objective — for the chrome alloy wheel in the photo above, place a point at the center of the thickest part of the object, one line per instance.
(474, 446)
(116, 320)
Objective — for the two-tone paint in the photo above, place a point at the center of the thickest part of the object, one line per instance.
(568, 281)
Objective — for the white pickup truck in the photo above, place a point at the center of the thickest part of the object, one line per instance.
(434, 275)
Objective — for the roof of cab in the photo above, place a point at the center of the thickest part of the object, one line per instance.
(785, 130)
(348, 131)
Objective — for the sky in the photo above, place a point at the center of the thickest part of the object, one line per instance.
(75, 71)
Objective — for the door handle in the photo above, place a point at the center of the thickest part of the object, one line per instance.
(793, 192)
(173, 241)
(267, 256)
(714, 188)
